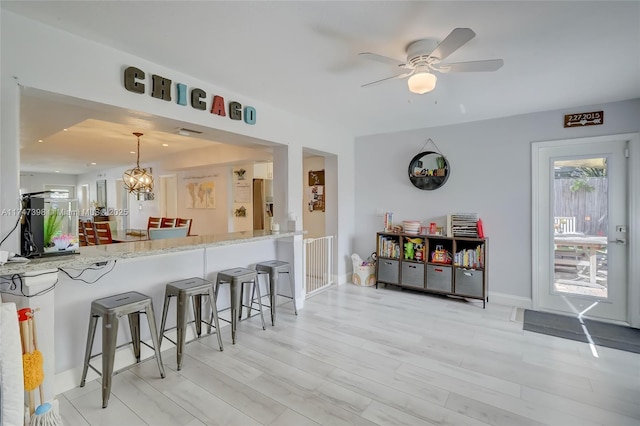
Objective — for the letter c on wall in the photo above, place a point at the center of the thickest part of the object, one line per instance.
(131, 74)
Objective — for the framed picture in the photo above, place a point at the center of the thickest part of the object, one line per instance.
(316, 177)
(316, 191)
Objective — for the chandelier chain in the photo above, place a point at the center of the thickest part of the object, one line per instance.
(138, 156)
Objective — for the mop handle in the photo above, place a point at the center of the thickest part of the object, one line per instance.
(32, 397)
(35, 348)
(24, 329)
(24, 318)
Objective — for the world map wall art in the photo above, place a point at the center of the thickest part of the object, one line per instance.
(201, 192)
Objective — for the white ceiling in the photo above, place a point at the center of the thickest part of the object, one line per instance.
(66, 135)
(302, 56)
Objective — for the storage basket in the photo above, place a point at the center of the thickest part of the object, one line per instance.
(364, 273)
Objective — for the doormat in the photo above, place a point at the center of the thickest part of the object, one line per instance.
(602, 334)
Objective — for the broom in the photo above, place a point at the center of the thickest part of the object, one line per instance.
(45, 414)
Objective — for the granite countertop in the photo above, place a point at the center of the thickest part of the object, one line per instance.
(102, 253)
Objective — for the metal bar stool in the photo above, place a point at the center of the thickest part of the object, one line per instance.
(193, 288)
(233, 277)
(272, 269)
(111, 309)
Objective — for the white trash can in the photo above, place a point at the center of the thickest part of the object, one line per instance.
(364, 273)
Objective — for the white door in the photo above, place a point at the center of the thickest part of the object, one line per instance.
(580, 227)
(168, 196)
(122, 205)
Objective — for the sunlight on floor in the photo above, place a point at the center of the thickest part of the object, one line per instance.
(592, 345)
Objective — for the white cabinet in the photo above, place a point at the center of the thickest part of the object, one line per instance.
(263, 170)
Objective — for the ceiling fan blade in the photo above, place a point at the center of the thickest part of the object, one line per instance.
(472, 66)
(388, 78)
(379, 58)
(455, 40)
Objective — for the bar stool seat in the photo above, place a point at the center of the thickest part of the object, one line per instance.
(110, 309)
(193, 288)
(237, 278)
(272, 269)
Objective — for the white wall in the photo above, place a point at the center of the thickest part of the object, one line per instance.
(44, 58)
(206, 221)
(35, 182)
(490, 174)
(241, 223)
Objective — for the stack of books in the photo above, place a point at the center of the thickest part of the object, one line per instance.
(388, 247)
(462, 225)
(388, 221)
(470, 258)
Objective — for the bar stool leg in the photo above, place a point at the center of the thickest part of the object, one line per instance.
(271, 297)
(293, 291)
(253, 297)
(165, 310)
(214, 315)
(257, 288)
(154, 337)
(197, 312)
(241, 296)
(91, 334)
(181, 325)
(273, 293)
(234, 289)
(134, 326)
(109, 338)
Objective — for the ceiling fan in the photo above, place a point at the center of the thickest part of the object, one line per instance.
(425, 56)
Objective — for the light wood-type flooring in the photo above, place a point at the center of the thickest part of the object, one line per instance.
(366, 356)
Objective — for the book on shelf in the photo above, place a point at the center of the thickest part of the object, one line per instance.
(388, 221)
(388, 247)
(480, 229)
(470, 258)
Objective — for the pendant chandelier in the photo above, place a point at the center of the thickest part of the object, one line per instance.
(138, 180)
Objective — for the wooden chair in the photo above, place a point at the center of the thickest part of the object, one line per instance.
(153, 222)
(564, 225)
(82, 240)
(168, 222)
(103, 233)
(184, 222)
(90, 233)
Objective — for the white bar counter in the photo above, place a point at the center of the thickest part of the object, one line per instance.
(89, 255)
(62, 288)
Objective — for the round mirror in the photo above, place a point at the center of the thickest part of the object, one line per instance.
(428, 170)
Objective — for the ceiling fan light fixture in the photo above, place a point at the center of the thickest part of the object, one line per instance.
(422, 81)
(138, 180)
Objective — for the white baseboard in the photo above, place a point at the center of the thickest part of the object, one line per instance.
(343, 279)
(510, 300)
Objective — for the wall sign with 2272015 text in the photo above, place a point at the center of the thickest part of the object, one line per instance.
(582, 119)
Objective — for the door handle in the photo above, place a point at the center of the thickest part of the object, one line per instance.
(618, 241)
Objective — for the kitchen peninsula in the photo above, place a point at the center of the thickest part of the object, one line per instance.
(62, 288)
